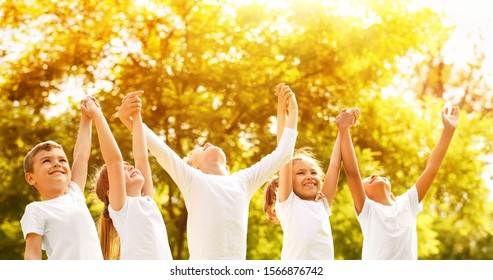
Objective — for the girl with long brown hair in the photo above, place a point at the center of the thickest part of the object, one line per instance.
(130, 212)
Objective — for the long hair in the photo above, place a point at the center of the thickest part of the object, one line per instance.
(108, 237)
(270, 194)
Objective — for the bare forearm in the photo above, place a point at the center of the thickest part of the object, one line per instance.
(139, 143)
(351, 169)
(82, 149)
(281, 123)
(292, 121)
(141, 154)
(348, 154)
(333, 172)
(127, 123)
(440, 150)
(109, 148)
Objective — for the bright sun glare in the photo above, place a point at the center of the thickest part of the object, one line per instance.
(473, 20)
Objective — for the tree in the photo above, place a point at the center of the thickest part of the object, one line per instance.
(209, 68)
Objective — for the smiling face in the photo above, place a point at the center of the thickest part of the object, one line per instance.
(133, 178)
(306, 179)
(375, 186)
(208, 154)
(50, 173)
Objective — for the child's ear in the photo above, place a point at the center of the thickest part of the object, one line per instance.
(29, 179)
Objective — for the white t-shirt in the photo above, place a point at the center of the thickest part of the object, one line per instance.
(218, 205)
(67, 227)
(141, 229)
(389, 232)
(307, 234)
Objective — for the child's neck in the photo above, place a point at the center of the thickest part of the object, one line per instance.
(215, 169)
(383, 199)
(52, 194)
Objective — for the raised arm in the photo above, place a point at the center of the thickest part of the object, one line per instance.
(82, 149)
(331, 180)
(112, 157)
(344, 122)
(256, 175)
(131, 103)
(141, 156)
(450, 119)
(179, 170)
(284, 94)
(333, 171)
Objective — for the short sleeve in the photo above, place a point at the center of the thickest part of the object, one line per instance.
(75, 190)
(114, 214)
(285, 205)
(32, 221)
(412, 195)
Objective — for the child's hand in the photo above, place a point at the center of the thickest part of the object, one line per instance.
(450, 117)
(356, 113)
(346, 119)
(131, 104)
(89, 107)
(286, 98)
(282, 99)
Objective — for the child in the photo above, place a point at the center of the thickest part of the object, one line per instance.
(301, 202)
(60, 223)
(127, 193)
(217, 202)
(388, 224)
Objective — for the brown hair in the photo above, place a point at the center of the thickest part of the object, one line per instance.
(270, 199)
(272, 185)
(108, 237)
(28, 163)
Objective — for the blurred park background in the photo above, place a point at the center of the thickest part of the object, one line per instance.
(209, 68)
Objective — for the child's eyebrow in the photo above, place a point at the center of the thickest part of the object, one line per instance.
(51, 157)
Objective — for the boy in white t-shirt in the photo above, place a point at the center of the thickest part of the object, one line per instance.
(61, 223)
(217, 201)
(388, 224)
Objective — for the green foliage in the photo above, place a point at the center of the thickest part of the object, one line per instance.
(209, 68)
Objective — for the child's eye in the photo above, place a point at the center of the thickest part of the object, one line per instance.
(63, 160)
(46, 160)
